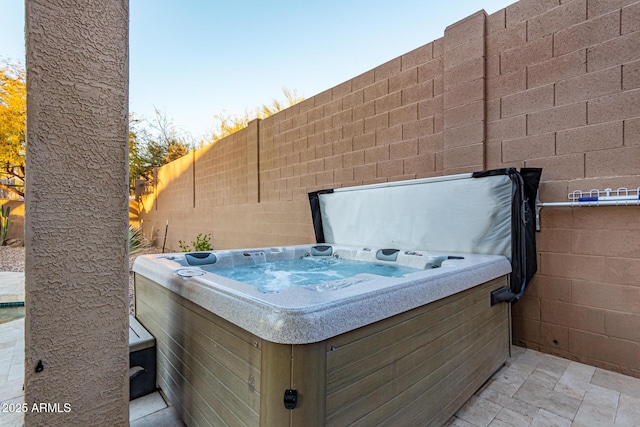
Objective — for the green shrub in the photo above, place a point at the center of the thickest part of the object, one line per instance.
(202, 243)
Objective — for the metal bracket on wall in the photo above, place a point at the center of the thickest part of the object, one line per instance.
(607, 197)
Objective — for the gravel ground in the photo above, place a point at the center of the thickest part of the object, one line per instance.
(12, 259)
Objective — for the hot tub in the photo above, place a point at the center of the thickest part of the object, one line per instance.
(360, 348)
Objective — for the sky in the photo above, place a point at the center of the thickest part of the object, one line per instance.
(195, 59)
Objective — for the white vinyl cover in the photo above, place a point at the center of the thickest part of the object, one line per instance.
(457, 213)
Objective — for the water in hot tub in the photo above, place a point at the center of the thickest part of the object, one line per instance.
(275, 276)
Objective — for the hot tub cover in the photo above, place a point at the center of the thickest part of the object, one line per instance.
(486, 212)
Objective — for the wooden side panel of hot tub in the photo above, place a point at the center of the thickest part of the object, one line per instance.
(416, 368)
(419, 367)
(210, 370)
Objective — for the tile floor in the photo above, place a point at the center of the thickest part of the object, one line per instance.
(533, 389)
(540, 390)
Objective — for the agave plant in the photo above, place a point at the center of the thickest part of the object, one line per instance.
(137, 242)
(4, 223)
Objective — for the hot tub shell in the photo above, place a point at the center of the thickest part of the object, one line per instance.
(366, 351)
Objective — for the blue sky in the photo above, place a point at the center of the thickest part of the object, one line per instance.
(194, 59)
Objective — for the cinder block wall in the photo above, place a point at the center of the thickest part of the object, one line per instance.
(541, 83)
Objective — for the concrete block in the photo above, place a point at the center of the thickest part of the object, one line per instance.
(606, 295)
(587, 86)
(419, 164)
(363, 111)
(527, 9)
(464, 94)
(464, 135)
(630, 18)
(321, 125)
(389, 168)
(379, 121)
(388, 102)
(360, 142)
(492, 66)
(588, 33)
(341, 118)
(438, 85)
(606, 242)
(529, 147)
(600, 7)
(527, 101)
(511, 128)
(417, 56)
(618, 161)
(322, 98)
(554, 336)
(530, 53)
(353, 158)
(315, 139)
(496, 21)
(557, 118)
(526, 330)
(340, 91)
(558, 68)
(408, 113)
(631, 75)
(468, 51)
(376, 154)
(506, 84)
(614, 52)
(417, 92)
(431, 144)
(349, 130)
(332, 107)
(572, 267)
(315, 166)
(471, 155)
(589, 138)
(417, 129)
(555, 288)
(388, 69)
(315, 114)
(430, 107)
(364, 172)
(376, 90)
(343, 175)
(390, 135)
(508, 38)
(494, 109)
(623, 105)
(568, 166)
(465, 30)
(463, 73)
(404, 149)
(622, 271)
(622, 325)
(430, 69)
(556, 19)
(325, 178)
(324, 150)
(333, 162)
(363, 80)
(464, 115)
(632, 132)
(353, 99)
(403, 80)
(572, 315)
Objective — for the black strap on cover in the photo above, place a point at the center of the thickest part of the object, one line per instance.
(316, 215)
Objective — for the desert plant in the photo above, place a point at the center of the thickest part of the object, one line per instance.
(137, 241)
(4, 223)
(202, 243)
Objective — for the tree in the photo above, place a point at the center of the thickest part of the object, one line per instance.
(228, 124)
(153, 144)
(13, 119)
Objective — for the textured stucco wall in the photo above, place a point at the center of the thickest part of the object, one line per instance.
(76, 211)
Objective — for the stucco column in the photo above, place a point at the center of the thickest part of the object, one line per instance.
(76, 273)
